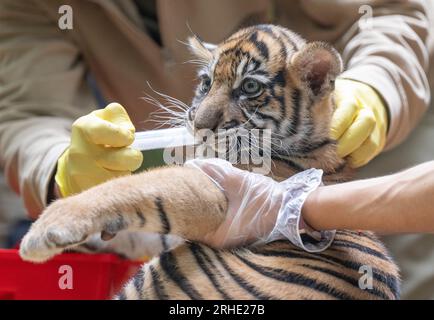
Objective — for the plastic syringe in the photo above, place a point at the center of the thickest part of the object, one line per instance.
(160, 139)
(154, 143)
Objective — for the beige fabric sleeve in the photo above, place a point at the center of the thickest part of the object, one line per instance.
(390, 53)
(42, 89)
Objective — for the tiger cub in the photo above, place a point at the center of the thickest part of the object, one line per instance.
(261, 77)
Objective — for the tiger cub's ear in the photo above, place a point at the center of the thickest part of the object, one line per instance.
(200, 49)
(316, 66)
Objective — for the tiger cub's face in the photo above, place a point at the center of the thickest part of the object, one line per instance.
(267, 77)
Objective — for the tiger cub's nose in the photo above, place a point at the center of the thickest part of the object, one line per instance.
(230, 124)
(208, 120)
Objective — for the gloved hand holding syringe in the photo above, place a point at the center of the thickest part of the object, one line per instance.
(99, 150)
(104, 145)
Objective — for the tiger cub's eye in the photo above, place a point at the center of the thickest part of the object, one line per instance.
(251, 87)
(205, 84)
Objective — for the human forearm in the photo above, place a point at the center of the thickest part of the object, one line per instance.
(398, 203)
(46, 90)
(389, 51)
(29, 150)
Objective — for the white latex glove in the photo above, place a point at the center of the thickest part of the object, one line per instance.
(261, 210)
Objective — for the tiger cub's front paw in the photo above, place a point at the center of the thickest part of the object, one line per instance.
(60, 226)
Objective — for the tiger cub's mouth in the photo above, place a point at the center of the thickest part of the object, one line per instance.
(237, 143)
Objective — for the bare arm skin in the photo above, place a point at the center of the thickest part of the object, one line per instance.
(398, 203)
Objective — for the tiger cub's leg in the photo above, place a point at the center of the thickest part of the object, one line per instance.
(176, 200)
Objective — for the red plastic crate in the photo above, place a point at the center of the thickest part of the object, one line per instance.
(94, 276)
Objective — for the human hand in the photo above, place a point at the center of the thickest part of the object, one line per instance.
(98, 151)
(259, 208)
(359, 122)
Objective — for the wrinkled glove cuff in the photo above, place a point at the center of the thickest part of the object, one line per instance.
(298, 188)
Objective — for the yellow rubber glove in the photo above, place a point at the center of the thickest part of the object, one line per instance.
(98, 151)
(359, 122)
